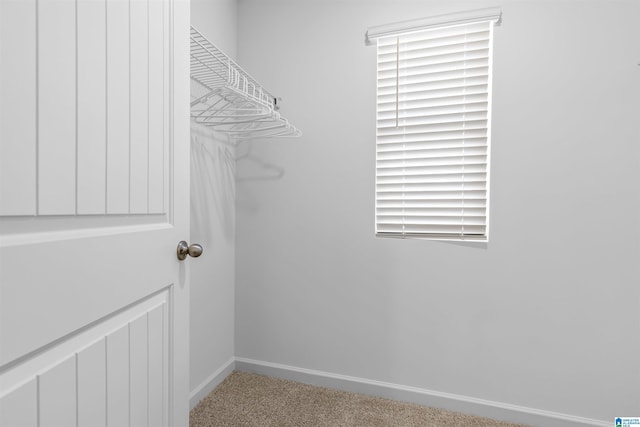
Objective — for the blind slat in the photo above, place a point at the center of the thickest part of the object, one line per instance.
(443, 102)
(447, 67)
(417, 109)
(481, 89)
(390, 150)
(433, 136)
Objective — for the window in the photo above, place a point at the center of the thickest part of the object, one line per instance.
(433, 127)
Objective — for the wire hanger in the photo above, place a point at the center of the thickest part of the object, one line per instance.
(227, 98)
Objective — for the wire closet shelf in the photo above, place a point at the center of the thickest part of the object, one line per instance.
(228, 99)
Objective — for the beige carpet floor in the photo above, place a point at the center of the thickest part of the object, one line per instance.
(250, 400)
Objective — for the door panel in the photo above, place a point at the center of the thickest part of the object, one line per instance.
(92, 118)
(157, 102)
(56, 108)
(92, 90)
(92, 385)
(57, 395)
(93, 201)
(138, 374)
(158, 362)
(139, 75)
(77, 282)
(117, 107)
(19, 408)
(117, 366)
(18, 150)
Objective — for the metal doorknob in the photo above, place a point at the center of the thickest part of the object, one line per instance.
(184, 249)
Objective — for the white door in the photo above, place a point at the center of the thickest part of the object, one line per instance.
(93, 202)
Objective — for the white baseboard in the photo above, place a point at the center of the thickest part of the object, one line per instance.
(436, 399)
(210, 383)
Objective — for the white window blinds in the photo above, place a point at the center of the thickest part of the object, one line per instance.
(433, 132)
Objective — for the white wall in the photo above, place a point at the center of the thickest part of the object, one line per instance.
(546, 315)
(217, 20)
(212, 223)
